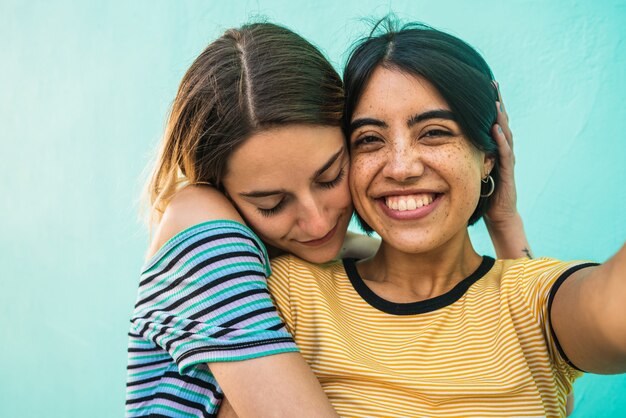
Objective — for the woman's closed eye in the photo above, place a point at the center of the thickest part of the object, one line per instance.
(278, 207)
(324, 184)
(334, 182)
(274, 210)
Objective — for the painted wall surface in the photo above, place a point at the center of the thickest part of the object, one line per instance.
(84, 91)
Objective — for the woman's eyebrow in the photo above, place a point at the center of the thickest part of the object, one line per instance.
(261, 193)
(357, 123)
(328, 163)
(431, 114)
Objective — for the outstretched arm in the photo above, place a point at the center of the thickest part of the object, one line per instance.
(503, 221)
(589, 316)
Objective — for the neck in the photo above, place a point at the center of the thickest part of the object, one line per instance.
(420, 276)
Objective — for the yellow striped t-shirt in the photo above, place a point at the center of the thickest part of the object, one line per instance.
(483, 349)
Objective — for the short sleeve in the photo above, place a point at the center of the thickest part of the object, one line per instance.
(204, 298)
(537, 282)
(278, 284)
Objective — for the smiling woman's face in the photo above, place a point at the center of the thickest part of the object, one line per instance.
(414, 176)
(290, 185)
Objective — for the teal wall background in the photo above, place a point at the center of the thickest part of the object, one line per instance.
(84, 91)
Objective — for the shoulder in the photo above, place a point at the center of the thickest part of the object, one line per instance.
(301, 273)
(525, 268)
(537, 279)
(191, 206)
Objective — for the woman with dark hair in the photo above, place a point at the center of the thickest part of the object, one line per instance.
(253, 156)
(426, 326)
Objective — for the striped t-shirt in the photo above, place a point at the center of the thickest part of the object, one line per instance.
(484, 348)
(202, 298)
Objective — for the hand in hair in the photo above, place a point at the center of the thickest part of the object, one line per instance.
(503, 221)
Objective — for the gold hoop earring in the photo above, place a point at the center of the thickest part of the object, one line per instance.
(492, 186)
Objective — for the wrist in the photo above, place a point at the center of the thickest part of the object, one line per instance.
(508, 237)
(505, 224)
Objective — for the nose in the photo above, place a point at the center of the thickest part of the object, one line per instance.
(403, 162)
(313, 218)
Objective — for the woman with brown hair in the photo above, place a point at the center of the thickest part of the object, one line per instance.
(253, 157)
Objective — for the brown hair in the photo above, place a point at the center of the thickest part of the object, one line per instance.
(253, 78)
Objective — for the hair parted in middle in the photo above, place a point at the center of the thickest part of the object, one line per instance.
(257, 77)
(453, 67)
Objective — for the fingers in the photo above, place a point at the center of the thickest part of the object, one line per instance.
(502, 118)
(507, 158)
(499, 93)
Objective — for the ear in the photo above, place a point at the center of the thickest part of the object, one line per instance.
(488, 163)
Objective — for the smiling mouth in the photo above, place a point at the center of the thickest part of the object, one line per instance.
(406, 207)
(323, 240)
(409, 202)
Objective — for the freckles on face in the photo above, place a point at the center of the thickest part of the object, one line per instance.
(415, 177)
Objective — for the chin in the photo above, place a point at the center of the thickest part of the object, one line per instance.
(412, 242)
(410, 247)
(420, 242)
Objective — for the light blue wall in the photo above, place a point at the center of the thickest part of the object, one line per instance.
(84, 90)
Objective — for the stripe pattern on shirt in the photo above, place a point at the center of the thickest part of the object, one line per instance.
(487, 351)
(202, 298)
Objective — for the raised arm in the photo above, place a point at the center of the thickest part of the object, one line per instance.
(589, 316)
(279, 385)
(503, 221)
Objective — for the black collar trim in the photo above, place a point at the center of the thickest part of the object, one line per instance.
(413, 308)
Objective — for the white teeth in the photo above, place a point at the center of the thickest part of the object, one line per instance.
(404, 203)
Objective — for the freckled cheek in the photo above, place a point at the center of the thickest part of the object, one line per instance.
(467, 180)
(459, 167)
(363, 168)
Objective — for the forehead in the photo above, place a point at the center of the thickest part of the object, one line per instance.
(282, 156)
(393, 92)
